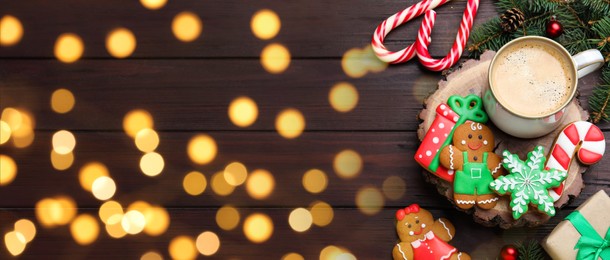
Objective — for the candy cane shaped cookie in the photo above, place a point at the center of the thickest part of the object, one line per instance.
(582, 138)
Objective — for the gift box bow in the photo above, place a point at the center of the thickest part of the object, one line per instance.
(591, 245)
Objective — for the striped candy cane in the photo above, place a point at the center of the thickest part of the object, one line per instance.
(581, 138)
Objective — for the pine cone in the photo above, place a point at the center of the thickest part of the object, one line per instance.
(512, 19)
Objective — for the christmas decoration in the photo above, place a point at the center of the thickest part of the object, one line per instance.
(509, 252)
(512, 19)
(530, 250)
(554, 28)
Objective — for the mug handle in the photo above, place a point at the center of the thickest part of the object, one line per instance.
(588, 61)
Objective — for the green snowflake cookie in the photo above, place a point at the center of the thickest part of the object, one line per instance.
(528, 182)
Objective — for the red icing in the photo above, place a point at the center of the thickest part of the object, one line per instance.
(561, 156)
(474, 145)
(433, 249)
(559, 190)
(413, 208)
(588, 157)
(594, 134)
(400, 214)
(434, 139)
(572, 134)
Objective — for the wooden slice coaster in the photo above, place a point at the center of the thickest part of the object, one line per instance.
(471, 78)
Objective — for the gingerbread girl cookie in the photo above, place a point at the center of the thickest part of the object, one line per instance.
(471, 156)
(421, 237)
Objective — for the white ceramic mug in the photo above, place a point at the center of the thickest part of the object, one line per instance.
(528, 126)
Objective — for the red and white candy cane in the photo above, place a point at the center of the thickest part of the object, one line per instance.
(582, 138)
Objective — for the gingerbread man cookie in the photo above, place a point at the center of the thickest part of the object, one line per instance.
(423, 238)
(471, 156)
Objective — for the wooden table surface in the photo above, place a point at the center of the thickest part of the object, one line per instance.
(187, 88)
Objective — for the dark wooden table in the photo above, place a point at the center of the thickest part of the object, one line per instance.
(187, 88)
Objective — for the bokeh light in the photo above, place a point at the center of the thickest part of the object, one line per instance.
(61, 161)
(152, 164)
(147, 140)
(8, 170)
(321, 213)
(220, 186)
(369, 200)
(109, 209)
(21, 124)
(202, 149)
(315, 181)
(346, 256)
(63, 142)
(133, 222)
(15, 242)
(347, 164)
(151, 255)
(393, 187)
(343, 97)
(103, 188)
(227, 217)
(260, 184)
(235, 173)
(12, 30)
(207, 243)
(153, 4)
(265, 24)
(136, 120)
(182, 247)
(5, 132)
(332, 253)
(62, 101)
(84, 229)
(114, 226)
(243, 111)
(275, 58)
(139, 205)
(293, 256)
(187, 26)
(258, 227)
(120, 43)
(12, 117)
(90, 172)
(300, 220)
(358, 62)
(157, 220)
(26, 228)
(55, 211)
(69, 47)
(290, 123)
(194, 183)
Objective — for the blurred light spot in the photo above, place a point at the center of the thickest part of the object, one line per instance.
(260, 184)
(194, 183)
(153, 4)
(300, 220)
(393, 187)
(243, 111)
(11, 29)
(235, 173)
(182, 247)
(63, 142)
(157, 221)
(15, 242)
(26, 228)
(369, 200)
(330, 253)
(147, 140)
(84, 229)
(220, 186)
(62, 101)
(346, 256)
(103, 188)
(109, 209)
(120, 43)
(55, 211)
(292, 256)
(152, 164)
(61, 161)
(23, 141)
(133, 222)
(5, 132)
(139, 205)
(358, 62)
(202, 149)
(22, 126)
(69, 47)
(208, 243)
(227, 217)
(90, 172)
(187, 26)
(8, 170)
(347, 164)
(12, 117)
(151, 255)
(275, 58)
(258, 227)
(290, 123)
(322, 213)
(343, 97)
(136, 120)
(315, 181)
(114, 227)
(265, 24)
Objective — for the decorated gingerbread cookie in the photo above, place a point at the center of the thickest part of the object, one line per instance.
(422, 237)
(471, 156)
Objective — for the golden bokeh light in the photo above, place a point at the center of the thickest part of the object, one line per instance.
(153, 4)
(243, 111)
(194, 183)
(202, 149)
(103, 188)
(12, 117)
(293, 256)
(227, 217)
(56, 211)
(5, 132)
(133, 222)
(26, 228)
(157, 221)
(12, 30)
(369, 200)
(62, 101)
(393, 187)
(8, 170)
(114, 226)
(343, 97)
(358, 62)
(220, 186)
(258, 227)
(207, 243)
(265, 24)
(182, 247)
(109, 209)
(120, 43)
(84, 229)
(321, 213)
(152, 164)
(290, 123)
(300, 220)
(151, 255)
(315, 181)
(136, 120)
(275, 58)
(22, 126)
(63, 142)
(139, 205)
(235, 173)
(147, 140)
(15, 242)
(90, 172)
(347, 164)
(260, 184)
(346, 256)
(187, 26)
(332, 253)
(61, 161)
(69, 47)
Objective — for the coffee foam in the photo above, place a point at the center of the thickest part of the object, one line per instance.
(532, 78)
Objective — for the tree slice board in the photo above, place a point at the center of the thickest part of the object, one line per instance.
(470, 79)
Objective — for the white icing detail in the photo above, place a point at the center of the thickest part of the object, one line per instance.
(403, 253)
(479, 126)
(451, 157)
(433, 130)
(448, 231)
(429, 235)
(423, 225)
(411, 233)
(465, 202)
(463, 142)
(441, 125)
(421, 156)
(443, 107)
(428, 153)
(485, 142)
(459, 256)
(449, 254)
(455, 118)
(496, 169)
(488, 201)
(450, 172)
(445, 113)
(472, 126)
(435, 140)
(416, 243)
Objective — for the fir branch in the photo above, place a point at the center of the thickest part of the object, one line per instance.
(530, 250)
